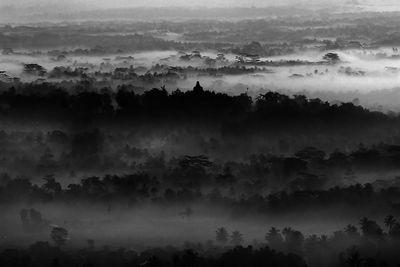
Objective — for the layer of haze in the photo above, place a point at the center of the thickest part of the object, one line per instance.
(154, 3)
(98, 4)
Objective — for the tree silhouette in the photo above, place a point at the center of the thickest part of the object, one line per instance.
(331, 57)
(236, 238)
(389, 221)
(274, 238)
(293, 239)
(351, 230)
(222, 235)
(354, 259)
(370, 228)
(59, 235)
(51, 185)
(35, 69)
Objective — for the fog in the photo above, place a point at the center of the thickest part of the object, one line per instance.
(79, 10)
(153, 3)
(199, 133)
(148, 226)
(190, 3)
(360, 74)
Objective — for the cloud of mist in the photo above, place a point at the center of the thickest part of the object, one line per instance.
(187, 3)
(149, 3)
(374, 88)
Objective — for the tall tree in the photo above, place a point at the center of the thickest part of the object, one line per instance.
(222, 235)
(389, 221)
(236, 238)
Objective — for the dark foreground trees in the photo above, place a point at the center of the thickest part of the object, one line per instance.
(367, 247)
(44, 255)
(52, 103)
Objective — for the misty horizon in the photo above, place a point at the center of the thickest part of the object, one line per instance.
(23, 11)
(216, 133)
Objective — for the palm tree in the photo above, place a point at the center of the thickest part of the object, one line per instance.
(274, 238)
(286, 231)
(51, 185)
(390, 221)
(273, 235)
(354, 259)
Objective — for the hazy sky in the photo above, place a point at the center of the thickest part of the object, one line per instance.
(36, 10)
(126, 3)
(207, 3)
(32, 10)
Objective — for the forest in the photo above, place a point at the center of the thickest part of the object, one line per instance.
(216, 133)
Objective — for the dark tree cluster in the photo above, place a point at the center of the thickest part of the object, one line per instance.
(366, 246)
(369, 245)
(137, 189)
(48, 102)
(44, 255)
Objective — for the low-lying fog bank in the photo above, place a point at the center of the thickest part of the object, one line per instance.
(368, 77)
(149, 226)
